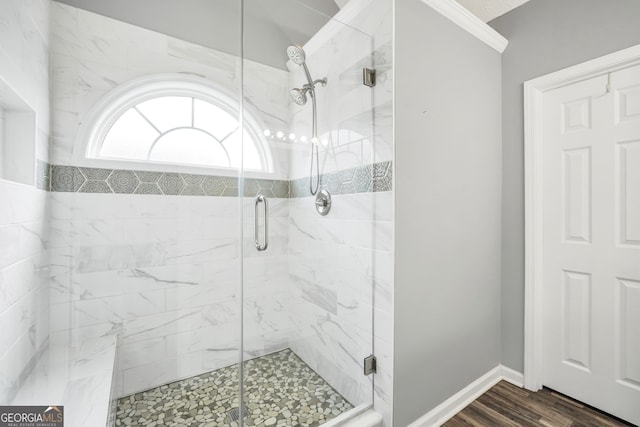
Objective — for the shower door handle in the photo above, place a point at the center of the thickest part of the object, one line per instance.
(256, 230)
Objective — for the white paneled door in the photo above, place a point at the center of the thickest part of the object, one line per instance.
(591, 248)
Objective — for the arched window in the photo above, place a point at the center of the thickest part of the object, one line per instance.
(172, 120)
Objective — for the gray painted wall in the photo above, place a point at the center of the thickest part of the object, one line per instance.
(447, 209)
(269, 26)
(544, 36)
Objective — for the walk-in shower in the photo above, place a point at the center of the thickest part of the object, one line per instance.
(298, 56)
(150, 261)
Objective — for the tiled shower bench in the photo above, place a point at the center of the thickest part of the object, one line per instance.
(80, 378)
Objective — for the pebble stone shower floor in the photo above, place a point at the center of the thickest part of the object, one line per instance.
(280, 390)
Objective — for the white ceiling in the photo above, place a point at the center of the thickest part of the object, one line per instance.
(487, 10)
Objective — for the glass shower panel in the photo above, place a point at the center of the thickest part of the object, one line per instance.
(145, 249)
(307, 277)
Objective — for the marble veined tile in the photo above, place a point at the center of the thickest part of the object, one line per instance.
(9, 252)
(142, 352)
(16, 281)
(156, 325)
(119, 257)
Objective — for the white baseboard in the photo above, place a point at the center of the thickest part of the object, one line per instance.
(456, 403)
(511, 376)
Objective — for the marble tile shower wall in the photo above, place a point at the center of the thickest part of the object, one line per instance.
(24, 256)
(163, 273)
(131, 258)
(341, 266)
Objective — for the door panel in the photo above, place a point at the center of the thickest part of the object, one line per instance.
(592, 242)
(576, 319)
(628, 186)
(628, 333)
(577, 194)
(628, 103)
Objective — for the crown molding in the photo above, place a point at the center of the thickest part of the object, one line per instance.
(466, 20)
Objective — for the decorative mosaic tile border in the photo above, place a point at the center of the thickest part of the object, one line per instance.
(361, 179)
(72, 179)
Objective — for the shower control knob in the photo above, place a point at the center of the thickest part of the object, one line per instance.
(323, 202)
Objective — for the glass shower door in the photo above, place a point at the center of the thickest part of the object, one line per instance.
(144, 243)
(307, 277)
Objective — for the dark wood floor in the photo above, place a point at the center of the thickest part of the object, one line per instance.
(508, 405)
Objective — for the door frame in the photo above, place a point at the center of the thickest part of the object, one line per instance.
(534, 91)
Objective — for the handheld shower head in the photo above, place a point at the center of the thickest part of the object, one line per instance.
(296, 54)
(299, 96)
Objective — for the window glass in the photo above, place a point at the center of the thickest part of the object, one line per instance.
(213, 119)
(181, 130)
(130, 137)
(189, 146)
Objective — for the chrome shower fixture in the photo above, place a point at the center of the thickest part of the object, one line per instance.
(299, 96)
(296, 54)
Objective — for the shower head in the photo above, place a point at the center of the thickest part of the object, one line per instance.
(299, 96)
(296, 54)
(298, 57)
